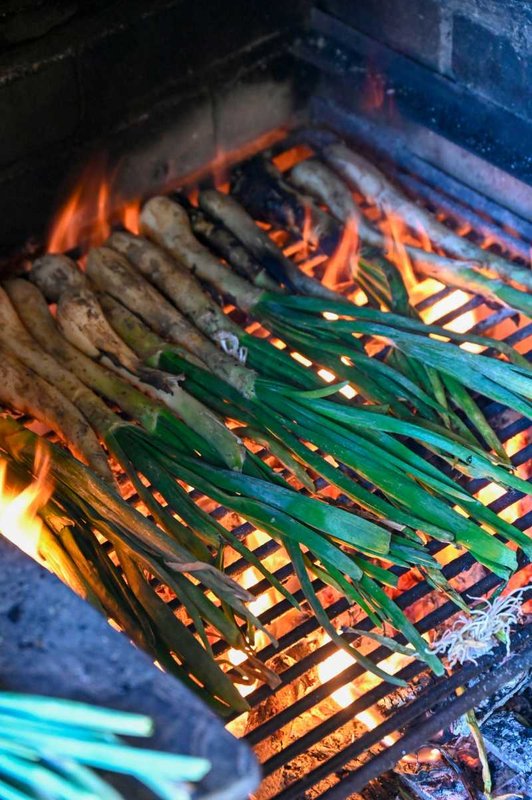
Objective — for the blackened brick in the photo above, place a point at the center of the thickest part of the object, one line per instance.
(173, 45)
(492, 65)
(37, 109)
(411, 27)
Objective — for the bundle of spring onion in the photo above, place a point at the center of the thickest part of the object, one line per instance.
(44, 755)
(268, 196)
(445, 374)
(423, 377)
(341, 431)
(313, 532)
(82, 512)
(417, 495)
(279, 404)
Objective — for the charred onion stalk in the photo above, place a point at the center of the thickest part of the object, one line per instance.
(229, 213)
(84, 508)
(226, 245)
(310, 530)
(267, 196)
(475, 270)
(290, 415)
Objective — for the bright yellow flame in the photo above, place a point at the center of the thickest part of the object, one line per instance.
(331, 667)
(19, 520)
(335, 664)
(461, 324)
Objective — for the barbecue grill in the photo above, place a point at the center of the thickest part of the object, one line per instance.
(317, 73)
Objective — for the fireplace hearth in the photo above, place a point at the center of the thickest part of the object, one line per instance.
(106, 104)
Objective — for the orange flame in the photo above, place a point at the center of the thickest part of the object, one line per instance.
(343, 256)
(395, 234)
(94, 204)
(19, 520)
(308, 234)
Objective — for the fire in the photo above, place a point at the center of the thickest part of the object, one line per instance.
(395, 233)
(340, 660)
(19, 520)
(308, 234)
(94, 205)
(344, 255)
(289, 158)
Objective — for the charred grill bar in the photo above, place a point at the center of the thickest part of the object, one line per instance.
(454, 144)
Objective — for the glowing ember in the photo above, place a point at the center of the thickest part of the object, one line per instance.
(309, 234)
(19, 520)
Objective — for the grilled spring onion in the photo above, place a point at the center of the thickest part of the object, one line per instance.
(113, 274)
(86, 324)
(52, 747)
(127, 443)
(506, 382)
(422, 387)
(83, 323)
(79, 317)
(384, 285)
(226, 245)
(483, 265)
(229, 212)
(374, 185)
(152, 349)
(152, 456)
(280, 411)
(316, 180)
(24, 391)
(299, 522)
(261, 188)
(83, 507)
(319, 338)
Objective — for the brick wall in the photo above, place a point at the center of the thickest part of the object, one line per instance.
(76, 73)
(483, 45)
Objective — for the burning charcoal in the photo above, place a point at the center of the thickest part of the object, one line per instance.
(262, 190)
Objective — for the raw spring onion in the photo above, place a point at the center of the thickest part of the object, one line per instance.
(56, 748)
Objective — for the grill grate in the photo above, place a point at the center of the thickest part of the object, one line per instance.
(294, 779)
(302, 701)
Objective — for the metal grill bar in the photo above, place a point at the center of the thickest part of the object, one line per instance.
(442, 687)
(493, 675)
